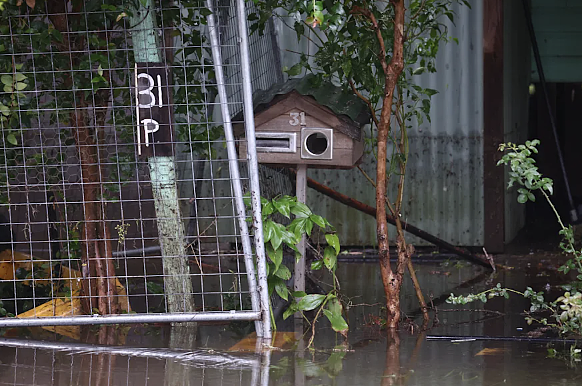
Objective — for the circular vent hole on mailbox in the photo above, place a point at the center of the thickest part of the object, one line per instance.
(317, 143)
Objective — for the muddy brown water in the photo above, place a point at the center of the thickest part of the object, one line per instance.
(158, 355)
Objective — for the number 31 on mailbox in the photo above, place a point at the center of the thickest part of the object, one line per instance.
(154, 116)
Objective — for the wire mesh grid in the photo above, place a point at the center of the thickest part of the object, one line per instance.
(46, 363)
(114, 203)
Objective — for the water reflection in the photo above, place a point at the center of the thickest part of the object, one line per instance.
(28, 362)
(198, 355)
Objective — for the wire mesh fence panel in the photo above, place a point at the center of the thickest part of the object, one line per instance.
(117, 196)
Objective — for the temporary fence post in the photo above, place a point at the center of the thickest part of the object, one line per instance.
(253, 165)
(177, 281)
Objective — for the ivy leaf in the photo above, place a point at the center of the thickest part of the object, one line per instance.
(329, 257)
(310, 302)
(333, 240)
(290, 311)
(282, 207)
(333, 312)
(318, 220)
(316, 265)
(281, 289)
(268, 230)
(276, 255)
(301, 210)
(283, 272)
(277, 235)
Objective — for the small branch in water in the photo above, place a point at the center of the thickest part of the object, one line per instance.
(490, 259)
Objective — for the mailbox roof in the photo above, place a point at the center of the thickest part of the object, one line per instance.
(325, 94)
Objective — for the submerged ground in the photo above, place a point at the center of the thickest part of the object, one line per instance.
(215, 355)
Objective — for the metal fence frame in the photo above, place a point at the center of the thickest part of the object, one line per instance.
(257, 280)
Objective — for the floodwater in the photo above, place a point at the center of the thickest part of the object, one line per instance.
(160, 355)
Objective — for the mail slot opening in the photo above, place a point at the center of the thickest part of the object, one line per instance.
(276, 143)
(316, 143)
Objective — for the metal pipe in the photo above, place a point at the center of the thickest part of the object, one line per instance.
(192, 357)
(83, 320)
(455, 338)
(233, 167)
(253, 165)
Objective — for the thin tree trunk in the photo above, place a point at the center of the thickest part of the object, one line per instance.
(391, 279)
(99, 285)
(99, 290)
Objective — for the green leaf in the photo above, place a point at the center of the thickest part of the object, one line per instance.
(329, 257)
(301, 210)
(268, 230)
(6, 79)
(277, 235)
(281, 289)
(57, 35)
(522, 198)
(276, 255)
(298, 226)
(20, 77)
(20, 86)
(282, 207)
(283, 272)
(295, 69)
(318, 16)
(333, 240)
(4, 110)
(316, 265)
(290, 311)
(310, 302)
(333, 312)
(12, 139)
(419, 71)
(320, 221)
(298, 294)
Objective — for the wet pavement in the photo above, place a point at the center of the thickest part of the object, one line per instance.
(214, 354)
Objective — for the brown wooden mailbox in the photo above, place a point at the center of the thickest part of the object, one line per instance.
(306, 123)
(297, 123)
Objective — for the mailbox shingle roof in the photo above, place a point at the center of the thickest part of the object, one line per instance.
(325, 93)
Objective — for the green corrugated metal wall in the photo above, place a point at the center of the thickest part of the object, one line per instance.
(558, 29)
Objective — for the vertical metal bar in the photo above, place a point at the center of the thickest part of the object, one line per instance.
(177, 282)
(301, 192)
(234, 173)
(253, 165)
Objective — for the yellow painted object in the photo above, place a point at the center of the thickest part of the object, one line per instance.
(491, 351)
(281, 340)
(64, 306)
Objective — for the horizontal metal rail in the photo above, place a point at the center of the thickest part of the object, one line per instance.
(201, 357)
(83, 320)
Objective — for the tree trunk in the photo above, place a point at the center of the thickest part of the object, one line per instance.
(99, 284)
(391, 279)
(99, 287)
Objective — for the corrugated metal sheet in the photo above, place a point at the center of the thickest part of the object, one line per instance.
(444, 188)
(558, 32)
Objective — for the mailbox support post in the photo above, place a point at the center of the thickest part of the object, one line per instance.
(301, 192)
(177, 282)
